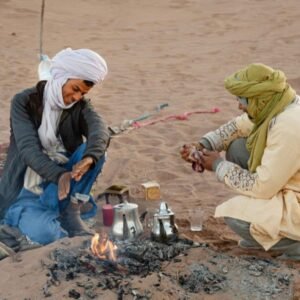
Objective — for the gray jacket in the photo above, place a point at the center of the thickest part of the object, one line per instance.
(25, 148)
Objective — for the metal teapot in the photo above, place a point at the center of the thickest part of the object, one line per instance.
(164, 228)
(127, 224)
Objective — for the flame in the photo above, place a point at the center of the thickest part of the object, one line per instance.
(102, 247)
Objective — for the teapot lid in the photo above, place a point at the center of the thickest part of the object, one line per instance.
(126, 206)
(164, 210)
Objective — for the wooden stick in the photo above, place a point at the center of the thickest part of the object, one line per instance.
(42, 28)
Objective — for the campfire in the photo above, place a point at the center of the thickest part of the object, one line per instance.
(103, 248)
(111, 262)
(101, 263)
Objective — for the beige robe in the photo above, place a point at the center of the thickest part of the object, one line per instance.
(269, 199)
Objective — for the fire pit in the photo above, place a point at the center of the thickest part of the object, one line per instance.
(111, 262)
(102, 268)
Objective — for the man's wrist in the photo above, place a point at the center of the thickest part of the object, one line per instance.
(90, 160)
(199, 146)
(60, 176)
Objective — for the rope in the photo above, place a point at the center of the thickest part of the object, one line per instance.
(126, 124)
(181, 117)
(42, 28)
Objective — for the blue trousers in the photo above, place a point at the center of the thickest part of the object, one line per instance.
(37, 215)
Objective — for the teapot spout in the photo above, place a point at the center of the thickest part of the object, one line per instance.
(125, 228)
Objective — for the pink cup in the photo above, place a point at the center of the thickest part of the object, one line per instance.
(108, 214)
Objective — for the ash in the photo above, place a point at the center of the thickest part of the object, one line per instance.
(202, 279)
(146, 256)
(138, 257)
(247, 277)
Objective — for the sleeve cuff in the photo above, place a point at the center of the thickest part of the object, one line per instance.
(206, 144)
(216, 163)
(222, 168)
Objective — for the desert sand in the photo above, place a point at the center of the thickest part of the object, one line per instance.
(161, 51)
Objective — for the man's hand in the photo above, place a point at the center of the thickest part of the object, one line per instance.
(187, 150)
(81, 168)
(64, 184)
(191, 154)
(208, 158)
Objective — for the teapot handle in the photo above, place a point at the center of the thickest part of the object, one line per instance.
(120, 197)
(143, 216)
(123, 199)
(162, 230)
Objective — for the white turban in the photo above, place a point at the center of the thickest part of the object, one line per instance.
(67, 64)
(82, 64)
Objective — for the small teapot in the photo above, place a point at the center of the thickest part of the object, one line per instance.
(127, 224)
(164, 228)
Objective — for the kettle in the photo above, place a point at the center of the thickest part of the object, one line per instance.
(126, 224)
(164, 228)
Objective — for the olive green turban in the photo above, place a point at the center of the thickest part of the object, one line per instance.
(268, 94)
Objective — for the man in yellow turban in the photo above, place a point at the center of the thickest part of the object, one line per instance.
(262, 161)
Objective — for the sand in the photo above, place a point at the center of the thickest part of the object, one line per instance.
(160, 51)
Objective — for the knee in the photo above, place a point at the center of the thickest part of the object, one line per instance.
(235, 148)
(77, 155)
(229, 221)
(237, 153)
(100, 162)
(47, 234)
(81, 148)
(235, 223)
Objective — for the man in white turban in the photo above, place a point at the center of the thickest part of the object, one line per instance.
(57, 149)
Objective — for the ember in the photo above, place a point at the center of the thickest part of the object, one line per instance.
(103, 248)
(202, 279)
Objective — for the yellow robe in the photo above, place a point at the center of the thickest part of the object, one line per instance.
(269, 198)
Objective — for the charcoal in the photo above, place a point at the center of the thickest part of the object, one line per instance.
(53, 275)
(74, 294)
(146, 256)
(108, 266)
(90, 293)
(109, 283)
(120, 293)
(86, 284)
(133, 266)
(46, 291)
(262, 261)
(141, 296)
(139, 257)
(70, 276)
(201, 279)
(124, 289)
(64, 259)
(256, 269)
(284, 279)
